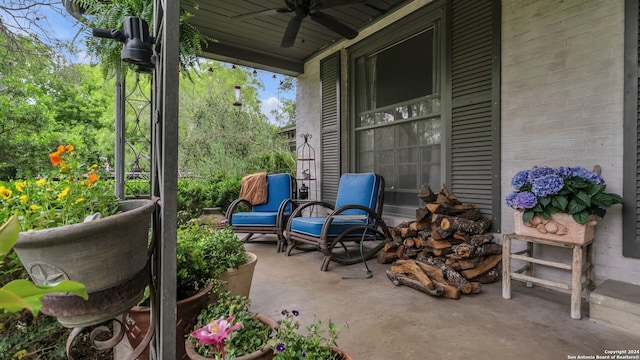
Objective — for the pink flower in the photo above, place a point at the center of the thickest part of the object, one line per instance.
(216, 333)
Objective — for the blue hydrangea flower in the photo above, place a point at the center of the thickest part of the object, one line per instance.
(547, 185)
(525, 200)
(564, 171)
(520, 179)
(295, 312)
(280, 347)
(510, 199)
(539, 172)
(588, 175)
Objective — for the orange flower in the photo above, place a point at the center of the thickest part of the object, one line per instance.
(93, 177)
(69, 148)
(60, 149)
(55, 158)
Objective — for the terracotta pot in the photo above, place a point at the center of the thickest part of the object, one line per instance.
(238, 281)
(108, 255)
(137, 322)
(561, 227)
(263, 354)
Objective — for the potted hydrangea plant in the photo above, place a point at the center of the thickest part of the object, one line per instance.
(556, 202)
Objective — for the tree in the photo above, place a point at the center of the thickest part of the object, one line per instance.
(218, 139)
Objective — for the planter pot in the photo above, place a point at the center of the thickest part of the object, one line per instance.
(263, 354)
(108, 256)
(137, 322)
(561, 227)
(238, 281)
(213, 217)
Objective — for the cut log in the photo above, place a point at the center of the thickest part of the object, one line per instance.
(454, 264)
(471, 214)
(408, 242)
(418, 242)
(390, 246)
(411, 253)
(422, 214)
(475, 287)
(438, 244)
(399, 279)
(466, 264)
(461, 236)
(400, 251)
(413, 271)
(407, 232)
(469, 250)
(386, 257)
(490, 276)
(481, 239)
(426, 194)
(446, 226)
(435, 274)
(420, 225)
(487, 264)
(451, 275)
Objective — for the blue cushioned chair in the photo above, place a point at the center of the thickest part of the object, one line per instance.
(354, 220)
(267, 218)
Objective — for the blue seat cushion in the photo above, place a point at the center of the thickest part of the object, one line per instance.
(262, 218)
(313, 225)
(358, 189)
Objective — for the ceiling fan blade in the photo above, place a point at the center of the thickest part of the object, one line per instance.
(333, 24)
(256, 14)
(325, 4)
(290, 34)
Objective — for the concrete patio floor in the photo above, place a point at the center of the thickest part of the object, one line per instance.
(388, 322)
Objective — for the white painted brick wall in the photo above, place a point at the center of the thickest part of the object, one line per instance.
(562, 104)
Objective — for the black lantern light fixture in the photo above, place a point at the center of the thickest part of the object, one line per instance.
(137, 48)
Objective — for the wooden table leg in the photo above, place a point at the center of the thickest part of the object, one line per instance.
(506, 267)
(576, 282)
(529, 271)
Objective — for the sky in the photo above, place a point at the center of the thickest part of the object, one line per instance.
(67, 28)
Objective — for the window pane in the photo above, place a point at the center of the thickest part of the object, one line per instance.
(408, 134)
(404, 71)
(365, 140)
(407, 176)
(384, 138)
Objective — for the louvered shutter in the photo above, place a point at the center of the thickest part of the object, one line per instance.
(631, 190)
(330, 142)
(475, 130)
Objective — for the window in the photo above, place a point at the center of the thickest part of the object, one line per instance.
(398, 122)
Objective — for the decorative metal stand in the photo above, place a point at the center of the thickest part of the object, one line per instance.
(306, 169)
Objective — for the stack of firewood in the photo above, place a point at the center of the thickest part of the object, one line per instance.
(445, 251)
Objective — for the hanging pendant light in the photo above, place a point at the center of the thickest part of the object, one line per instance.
(236, 92)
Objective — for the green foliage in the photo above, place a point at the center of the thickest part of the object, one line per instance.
(42, 104)
(252, 336)
(242, 135)
(203, 254)
(23, 335)
(196, 194)
(289, 344)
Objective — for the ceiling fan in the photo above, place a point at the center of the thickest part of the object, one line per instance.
(302, 9)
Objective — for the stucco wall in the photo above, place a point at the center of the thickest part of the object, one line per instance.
(562, 104)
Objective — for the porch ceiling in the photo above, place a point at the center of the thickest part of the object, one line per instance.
(255, 42)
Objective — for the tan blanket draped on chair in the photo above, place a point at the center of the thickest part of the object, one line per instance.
(255, 188)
